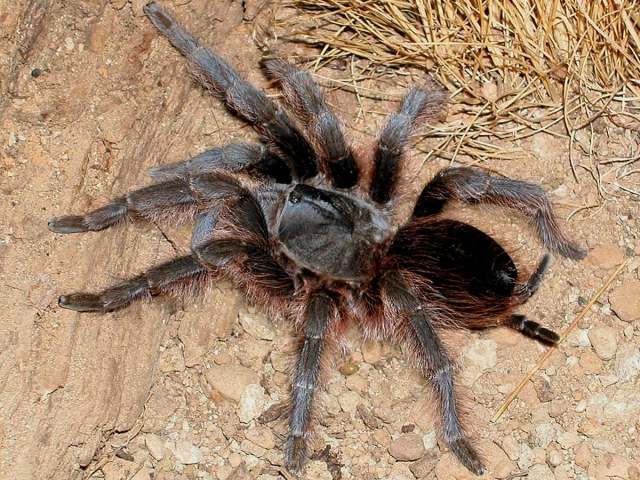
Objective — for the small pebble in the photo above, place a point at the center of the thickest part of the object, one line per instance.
(155, 445)
(262, 437)
(252, 449)
(230, 380)
(145, 473)
(280, 361)
(172, 360)
(589, 428)
(557, 408)
(235, 459)
(554, 457)
(187, 453)
(544, 434)
(604, 341)
(498, 462)
(370, 421)
(568, 440)
(511, 447)
(448, 467)
(525, 457)
(348, 368)
(540, 472)
(544, 390)
(489, 91)
(590, 362)
(612, 465)
(430, 440)
(36, 72)
(372, 351)
(118, 4)
(381, 436)
(608, 380)
(253, 402)
(317, 470)
(401, 471)
(625, 301)
(564, 472)
(407, 447)
(482, 354)
(628, 331)
(628, 362)
(349, 401)
(125, 455)
(606, 256)
(256, 324)
(579, 338)
(583, 455)
(423, 467)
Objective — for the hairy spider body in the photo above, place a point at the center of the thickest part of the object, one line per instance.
(294, 222)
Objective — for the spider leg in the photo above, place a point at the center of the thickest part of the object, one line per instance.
(435, 355)
(305, 98)
(245, 235)
(234, 236)
(152, 202)
(416, 107)
(533, 329)
(154, 281)
(235, 157)
(317, 316)
(155, 201)
(472, 185)
(438, 367)
(532, 284)
(240, 97)
(217, 239)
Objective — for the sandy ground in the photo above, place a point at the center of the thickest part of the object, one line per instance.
(91, 98)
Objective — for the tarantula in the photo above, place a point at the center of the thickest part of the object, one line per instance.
(295, 222)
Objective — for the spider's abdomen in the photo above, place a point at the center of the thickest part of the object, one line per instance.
(462, 264)
(331, 233)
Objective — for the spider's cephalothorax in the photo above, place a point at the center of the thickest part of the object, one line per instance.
(331, 233)
(315, 242)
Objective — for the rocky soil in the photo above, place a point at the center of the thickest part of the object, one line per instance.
(191, 387)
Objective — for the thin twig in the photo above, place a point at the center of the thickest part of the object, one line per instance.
(516, 391)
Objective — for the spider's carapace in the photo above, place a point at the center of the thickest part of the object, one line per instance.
(332, 233)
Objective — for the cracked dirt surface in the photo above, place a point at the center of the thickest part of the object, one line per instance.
(184, 388)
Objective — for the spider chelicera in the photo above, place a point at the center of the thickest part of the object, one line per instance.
(296, 223)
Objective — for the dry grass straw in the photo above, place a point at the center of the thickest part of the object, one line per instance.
(514, 67)
(565, 333)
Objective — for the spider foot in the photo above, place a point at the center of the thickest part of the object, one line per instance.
(82, 302)
(571, 250)
(467, 455)
(68, 224)
(295, 453)
(547, 336)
